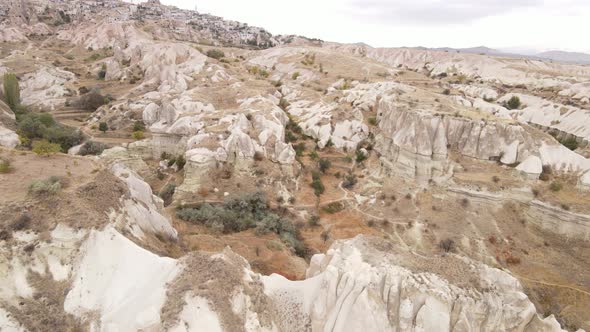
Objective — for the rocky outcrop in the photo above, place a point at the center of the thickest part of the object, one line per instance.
(417, 143)
(365, 284)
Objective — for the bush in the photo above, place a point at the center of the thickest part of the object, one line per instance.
(295, 75)
(11, 91)
(167, 192)
(314, 221)
(447, 245)
(246, 212)
(138, 126)
(570, 143)
(314, 155)
(556, 186)
(316, 184)
(137, 135)
(92, 148)
(372, 121)
(446, 92)
(324, 164)
(334, 207)
(49, 186)
(349, 181)
(5, 166)
(93, 100)
(513, 103)
(215, 54)
(103, 127)
(180, 162)
(495, 178)
(299, 149)
(45, 148)
(360, 156)
(32, 126)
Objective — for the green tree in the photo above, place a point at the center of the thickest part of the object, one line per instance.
(11, 90)
(103, 127)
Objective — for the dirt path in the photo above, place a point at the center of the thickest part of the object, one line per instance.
(550, 284)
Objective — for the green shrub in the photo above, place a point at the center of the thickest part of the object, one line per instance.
(42, 126)
(93, 100)
(138, 126)
(5, 166)
(556, 186)
(180, 162)
(349, 181)
(295, 75)
(372, 121)
(11, 91)
(167, 192)
(246, 212)
(446, 92)
(49, 186)
(299, 149)
(103, 126)
(92, 148)
(314, 155)
(314, 221)
(513, 103)
(334, 207)
(360, 156)
(215, 54)
(45, 148)
(570, 143)
(316, 184)
(324, 164)
(138, 135)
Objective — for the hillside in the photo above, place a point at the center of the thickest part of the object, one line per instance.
(167, 170)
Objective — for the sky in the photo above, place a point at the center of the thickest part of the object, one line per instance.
(517, 25)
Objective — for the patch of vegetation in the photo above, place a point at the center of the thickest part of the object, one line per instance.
(446, 92)
(316, 184)
(513, 103)
(313, 221)
(295, 75)
(103, 126)
(360, 156)
(308, 59)
(5, 166)
(92, 100)
(372, 121)
(314, 155)
(299, 149)
(11, 91)
(334, 207)
(92, 148)
(349, 181)
(246, 212)
(570, 143)
(137, 135)
(556, 186)
(180, 162)
(447, 245)
(49, 186)
(45, 148)
(324, 164)
(42, 126)
(138, 126)
(166, 193)
(215, 54)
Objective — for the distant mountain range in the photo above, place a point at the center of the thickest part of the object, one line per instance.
(560, 56)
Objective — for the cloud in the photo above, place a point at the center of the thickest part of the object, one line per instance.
(434, 12)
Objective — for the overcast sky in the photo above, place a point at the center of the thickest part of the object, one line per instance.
(517, 24)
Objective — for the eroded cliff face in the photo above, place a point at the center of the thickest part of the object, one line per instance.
(418, 142)
(8, 138)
